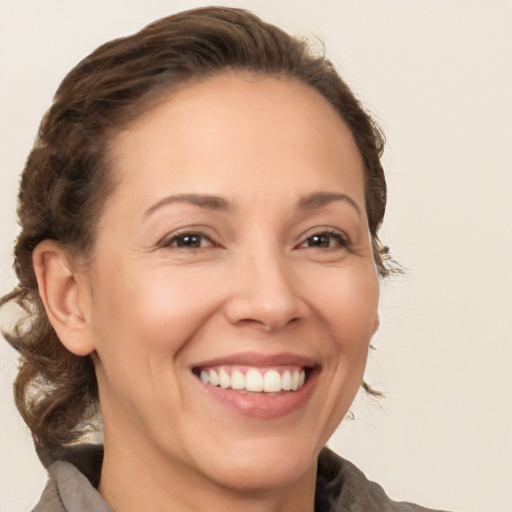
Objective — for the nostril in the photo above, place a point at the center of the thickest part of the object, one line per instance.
(267, 315)
(267, 324)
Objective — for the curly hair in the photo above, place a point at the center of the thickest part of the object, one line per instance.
(66, 179)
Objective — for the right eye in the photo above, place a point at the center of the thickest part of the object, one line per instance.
(188, 241)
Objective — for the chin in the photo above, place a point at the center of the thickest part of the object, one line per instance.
(264, 465)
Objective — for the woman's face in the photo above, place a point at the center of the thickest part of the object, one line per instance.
(234, 253)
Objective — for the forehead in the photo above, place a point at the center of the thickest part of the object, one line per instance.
(246, 130)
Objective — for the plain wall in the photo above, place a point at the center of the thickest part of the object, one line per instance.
(437, 75)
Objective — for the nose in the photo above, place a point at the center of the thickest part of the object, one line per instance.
(265, 294)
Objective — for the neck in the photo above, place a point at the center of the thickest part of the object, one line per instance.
(137, 478)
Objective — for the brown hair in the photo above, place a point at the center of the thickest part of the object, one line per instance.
(66, 178)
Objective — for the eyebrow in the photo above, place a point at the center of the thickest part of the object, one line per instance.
(210, 202)
(319, 199)
(203, 201)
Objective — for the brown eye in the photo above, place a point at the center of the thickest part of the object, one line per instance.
(188, 241)
(324, 240)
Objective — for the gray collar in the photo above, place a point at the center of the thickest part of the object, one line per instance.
(341, 487)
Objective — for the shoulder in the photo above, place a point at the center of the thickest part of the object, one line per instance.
(341, 486)
(71, 484)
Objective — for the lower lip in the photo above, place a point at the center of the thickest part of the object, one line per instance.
(262, 405)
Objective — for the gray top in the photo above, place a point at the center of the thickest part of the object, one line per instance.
(341, 487)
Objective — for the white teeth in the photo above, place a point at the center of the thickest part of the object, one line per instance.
(286, 380)
(237, 380)
(253, 380)
(225, 381)
(271, 381)
(295, 381)
(302, 378)
(214, 378)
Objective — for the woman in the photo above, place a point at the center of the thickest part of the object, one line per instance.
(199, 262)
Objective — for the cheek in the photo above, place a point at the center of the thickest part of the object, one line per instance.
(141, 324)
(151, 311)
(348, 302)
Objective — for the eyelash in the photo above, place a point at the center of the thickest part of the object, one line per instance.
(174, 241)
(339, 238)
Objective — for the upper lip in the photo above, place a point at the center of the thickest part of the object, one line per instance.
(256, 359)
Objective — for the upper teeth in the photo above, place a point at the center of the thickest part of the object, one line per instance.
(269, 381)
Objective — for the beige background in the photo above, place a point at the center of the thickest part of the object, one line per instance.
(437, 74)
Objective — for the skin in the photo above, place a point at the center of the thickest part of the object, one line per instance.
(268, 278)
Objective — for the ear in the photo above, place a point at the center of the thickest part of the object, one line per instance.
(63, 293)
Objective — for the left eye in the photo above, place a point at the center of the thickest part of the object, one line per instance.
(325, 240)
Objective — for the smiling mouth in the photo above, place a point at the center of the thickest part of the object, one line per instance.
(259, 386)
(247, 379)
